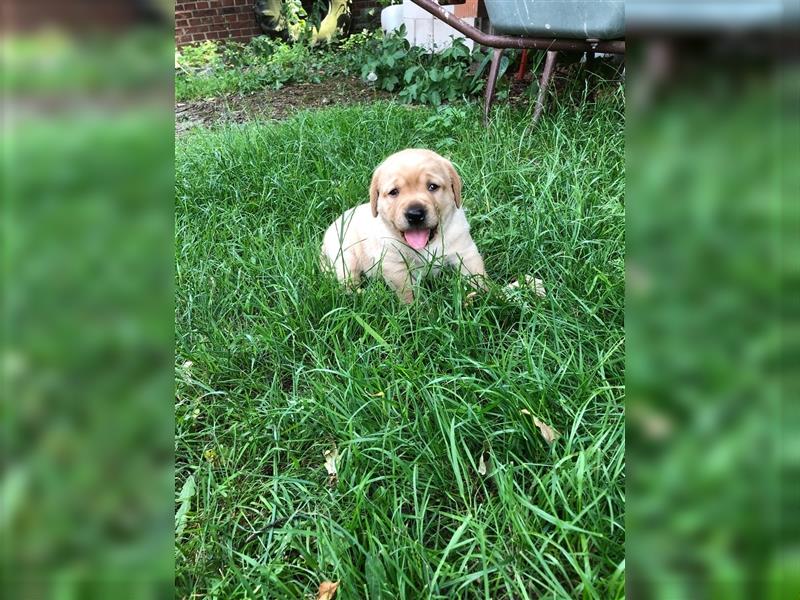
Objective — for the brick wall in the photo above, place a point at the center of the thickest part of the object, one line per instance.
(196, 21)
(361, 17)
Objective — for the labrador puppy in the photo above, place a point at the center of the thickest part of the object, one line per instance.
(412, 224)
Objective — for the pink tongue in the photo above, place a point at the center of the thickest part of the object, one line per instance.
(417, 238)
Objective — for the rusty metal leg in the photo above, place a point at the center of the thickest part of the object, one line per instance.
(547, 73)
(491, 83)
(523, 62)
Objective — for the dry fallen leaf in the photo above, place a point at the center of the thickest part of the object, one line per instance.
(327, 589)
(549, 434)
(482, 465)
(330, 465)
(470, 298)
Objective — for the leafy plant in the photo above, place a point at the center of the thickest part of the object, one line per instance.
(426, 78)
(388, 61)
(197, 56)
(446, 118)
(211, 68)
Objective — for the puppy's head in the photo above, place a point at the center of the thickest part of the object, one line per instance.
(414, 191)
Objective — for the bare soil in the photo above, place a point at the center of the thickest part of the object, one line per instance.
(274, 104)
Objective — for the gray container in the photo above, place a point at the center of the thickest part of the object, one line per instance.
(578, 19)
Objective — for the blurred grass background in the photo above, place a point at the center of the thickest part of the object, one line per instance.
(712, 260)
(86, 488)
(86, 485)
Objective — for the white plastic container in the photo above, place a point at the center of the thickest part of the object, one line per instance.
(392, 18)
(424, 30)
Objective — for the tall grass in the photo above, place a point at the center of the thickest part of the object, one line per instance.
(275, 365)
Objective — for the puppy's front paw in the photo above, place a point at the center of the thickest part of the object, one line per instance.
(479, 282)
(405, 296)
(531, 282)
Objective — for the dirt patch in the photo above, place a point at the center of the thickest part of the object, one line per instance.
(279, 104)
(274, 104)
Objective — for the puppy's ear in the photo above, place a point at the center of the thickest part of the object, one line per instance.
(455, 181)
(374, 191)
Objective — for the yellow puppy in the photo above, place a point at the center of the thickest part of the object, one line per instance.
(412, 223)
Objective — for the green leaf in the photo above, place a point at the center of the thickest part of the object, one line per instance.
(374, 334)
(435, 75)
(389, 83)
(436, 99)
(375, 575)
(185, 499)
(409, 74)
(504, 62)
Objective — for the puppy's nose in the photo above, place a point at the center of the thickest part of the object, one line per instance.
(415, 215)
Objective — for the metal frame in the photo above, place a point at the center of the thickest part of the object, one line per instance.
(501, 42)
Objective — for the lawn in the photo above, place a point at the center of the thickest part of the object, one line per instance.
(275, 365)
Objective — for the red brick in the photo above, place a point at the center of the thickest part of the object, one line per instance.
(218, 19)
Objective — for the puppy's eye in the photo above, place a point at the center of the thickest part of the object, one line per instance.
(393, 192)
(432, 187)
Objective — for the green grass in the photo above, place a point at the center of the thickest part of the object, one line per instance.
(285, 366)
